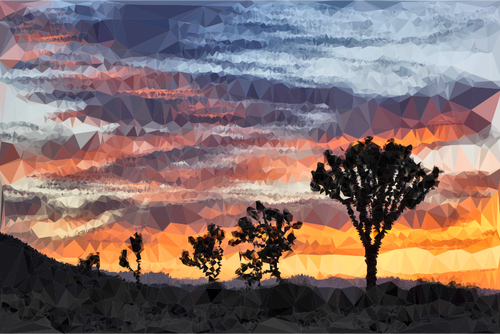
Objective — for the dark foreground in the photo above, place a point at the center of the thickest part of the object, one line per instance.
(39, 294)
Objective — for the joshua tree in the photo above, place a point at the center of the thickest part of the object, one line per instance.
(379, 185)
(137, 247)
(91, 260)
(206, 255)
(268, 239)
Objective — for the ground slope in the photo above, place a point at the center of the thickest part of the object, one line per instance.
(39, 294)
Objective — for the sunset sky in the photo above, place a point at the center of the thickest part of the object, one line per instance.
(161, 118)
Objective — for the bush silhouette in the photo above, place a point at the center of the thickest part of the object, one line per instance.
(268, 239)
(136, 245)
(91, 260)
(379, 185)
(206, 255)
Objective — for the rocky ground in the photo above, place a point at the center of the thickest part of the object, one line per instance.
(39, 294)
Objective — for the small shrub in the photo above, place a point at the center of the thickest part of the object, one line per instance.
(91, 260)
(270, 241)
(206, 255)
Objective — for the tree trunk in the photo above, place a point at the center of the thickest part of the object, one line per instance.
(138, 272)
(276, 273)
(371, 267)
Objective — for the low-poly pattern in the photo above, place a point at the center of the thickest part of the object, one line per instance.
(206, 255)
(380, 183)
(136, 246)
(89, 262)
(47, 296)
(265, 228)
(162, 118)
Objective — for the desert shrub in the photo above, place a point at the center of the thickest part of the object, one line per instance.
(207, 255)
(270, 240)
(91, 260)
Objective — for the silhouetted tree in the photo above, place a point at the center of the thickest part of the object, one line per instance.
(206, 255)
(91, 260)
(269, 241)
(379, 185)
(137, 247)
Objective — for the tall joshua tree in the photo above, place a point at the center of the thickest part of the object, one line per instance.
(137, 247)
(379, 185)
(207, 256)
(268, 238)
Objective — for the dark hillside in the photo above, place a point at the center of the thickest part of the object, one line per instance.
(24, 268)
(40, 294)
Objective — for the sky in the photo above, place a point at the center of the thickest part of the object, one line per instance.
(163, 118)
